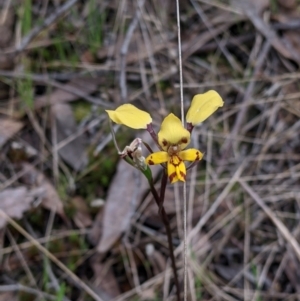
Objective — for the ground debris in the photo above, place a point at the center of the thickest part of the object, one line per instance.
(82, 217)
(61, 67)
(14, 202)
(74, 151)
(8, 128)
(49, 197)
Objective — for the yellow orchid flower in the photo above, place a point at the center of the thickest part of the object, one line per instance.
(173, 138)
(202, 106)
(130, 116)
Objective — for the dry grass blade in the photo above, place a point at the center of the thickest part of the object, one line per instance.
(77, 280)
(124, 50)
(278, 223)
(47, 22)
(218, 201)
(268, 32)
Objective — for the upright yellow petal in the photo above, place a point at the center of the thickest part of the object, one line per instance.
(202, 106)
(157, 158)
(173, 133)
(130, 116)
(191, 154)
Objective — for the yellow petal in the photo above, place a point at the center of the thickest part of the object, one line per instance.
(191, 154)
(181, 171)
(173, 133)
(176, 169)
(202, 106)
(157, 158)
(172, 173)
(130, 116)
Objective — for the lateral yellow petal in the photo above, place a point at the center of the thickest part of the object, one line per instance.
(157, 158)
(191, 154)
(130, 116)
(173, 133)
(202, 106)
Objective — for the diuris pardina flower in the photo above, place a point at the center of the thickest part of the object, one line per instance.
(172, 138)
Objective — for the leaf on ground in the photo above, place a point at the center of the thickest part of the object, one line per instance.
(105, 282)
(125, 192)
(49, 197)
(82, 217)
(14, 202)
(8, 128)
(73, 152)
(58, 96)
(123, 195)
(11, 296)
(265, 29)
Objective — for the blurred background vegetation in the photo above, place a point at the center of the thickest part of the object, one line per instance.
(62, 63)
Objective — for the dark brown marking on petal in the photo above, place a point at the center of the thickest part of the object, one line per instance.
(172, 176)
(184, 140)
(172, 161)
(164, 142)
(150, 162)
(183, 174)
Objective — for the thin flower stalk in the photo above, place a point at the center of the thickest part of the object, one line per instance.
(172, 141)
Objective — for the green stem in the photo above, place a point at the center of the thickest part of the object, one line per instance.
(160, 201)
